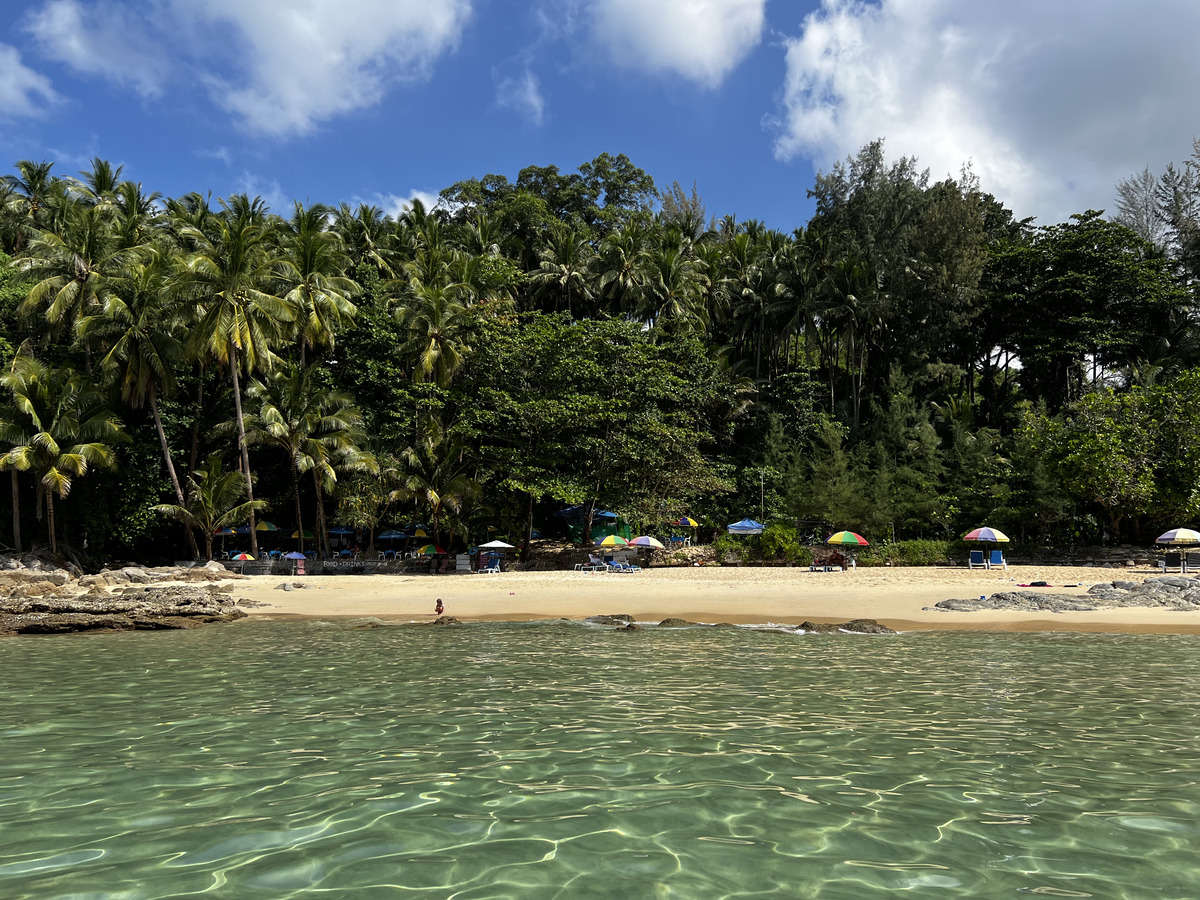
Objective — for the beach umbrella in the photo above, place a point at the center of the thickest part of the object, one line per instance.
(266, 526)
(496, 545)
(612, 540)
(307, 534)
(420, 531)
(746, 526)
(224, 531)
(430, 550)
(242, 529)
(645, 540)
(243, 556)
(392, 535)
(295, 554)
(847, 539)
(992, 534)
(686, 522)
(1178, 536)
(340, 530)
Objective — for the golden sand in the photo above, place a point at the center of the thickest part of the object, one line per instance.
(901, 598)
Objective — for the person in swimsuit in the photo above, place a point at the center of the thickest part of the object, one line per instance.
(438, 608)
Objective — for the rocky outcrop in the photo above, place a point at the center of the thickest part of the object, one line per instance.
(855, 626)
(151, 608)
(40, 597)
(1178, 592)
(612, 619)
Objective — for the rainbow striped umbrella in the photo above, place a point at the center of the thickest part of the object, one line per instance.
(266, 526)
(646, 540)
(993, 534)
(431, 550)
(243, 556)
(612, 540)
(848, 538)
(686, 522)
(307, 534)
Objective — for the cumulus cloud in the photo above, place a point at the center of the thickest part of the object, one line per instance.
(522, 93)
(700, 40)
(298, 63)
(1052, 103)
(395, 205)
(105, 40)
(23, 92)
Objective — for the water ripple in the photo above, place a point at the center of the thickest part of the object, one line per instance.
(283, 760)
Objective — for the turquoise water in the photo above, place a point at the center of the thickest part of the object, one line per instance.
(564, 761)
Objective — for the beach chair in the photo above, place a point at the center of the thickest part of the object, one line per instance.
(977, 559)
(1191, 562)
(997, 560)
(1172, 561)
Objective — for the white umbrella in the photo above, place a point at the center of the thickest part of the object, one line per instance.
(496, 545)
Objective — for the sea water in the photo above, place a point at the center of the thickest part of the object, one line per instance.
(547, 760)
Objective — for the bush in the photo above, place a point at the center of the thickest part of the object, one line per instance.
(782, 542)
(908, 553)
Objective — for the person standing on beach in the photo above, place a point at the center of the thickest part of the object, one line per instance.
(438, 608)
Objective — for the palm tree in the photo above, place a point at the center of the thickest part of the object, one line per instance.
(563, 271)
(57, 427)
(212, 501)
(434, 472)
(229, 275)
(310, 423)
(141, 324)
(674, 289)
(311, 270)
(437, 325)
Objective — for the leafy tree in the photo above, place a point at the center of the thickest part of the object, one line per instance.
(57, 427)
(212, 501)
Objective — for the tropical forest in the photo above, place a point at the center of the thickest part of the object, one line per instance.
(911, 362)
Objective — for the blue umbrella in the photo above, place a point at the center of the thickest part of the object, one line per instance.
(746, 526)
(294, 555)
(341, 529)
(392, 535)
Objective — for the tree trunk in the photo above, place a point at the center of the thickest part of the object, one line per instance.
(192, 460)
(322, 537)
(528, 530)
(208, 545)
(16, 510)
(245, 450)
(299, 513)
(179, 498)
(50, 522)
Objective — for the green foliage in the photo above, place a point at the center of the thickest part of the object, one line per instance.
(919, 552)
(780, 541)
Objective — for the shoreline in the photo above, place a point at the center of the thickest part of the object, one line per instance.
(900, 598)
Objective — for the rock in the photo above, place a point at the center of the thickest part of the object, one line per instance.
(445, 620)
(132, 609)
(284, 587)
(855, 626)
(618, 619)
(675, 623)
(632, 626)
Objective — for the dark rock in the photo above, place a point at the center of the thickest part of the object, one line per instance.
(675, 623)
(618, 619)
(132, 609)
(855, 626)
(632, 626)
(284, 587)
(445, 620)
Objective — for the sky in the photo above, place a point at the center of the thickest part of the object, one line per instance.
(1051, 102)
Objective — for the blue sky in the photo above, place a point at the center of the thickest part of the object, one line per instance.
(382, 100)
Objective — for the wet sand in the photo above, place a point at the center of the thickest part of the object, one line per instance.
(901, 598)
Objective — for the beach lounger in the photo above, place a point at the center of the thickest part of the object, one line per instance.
(997, 560)
(977, 560)
(1172, 561)
(1191, 562)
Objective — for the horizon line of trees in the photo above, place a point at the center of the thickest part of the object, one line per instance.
(912, 362)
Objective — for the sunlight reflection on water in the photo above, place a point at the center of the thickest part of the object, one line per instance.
(554, 760)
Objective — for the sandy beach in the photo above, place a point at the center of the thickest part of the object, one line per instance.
(901, 598)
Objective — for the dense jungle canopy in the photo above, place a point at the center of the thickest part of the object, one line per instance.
(911, 362)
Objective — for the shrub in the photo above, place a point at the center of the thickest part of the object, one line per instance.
(908, 553)
(782, 542)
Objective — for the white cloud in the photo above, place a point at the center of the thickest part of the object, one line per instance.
(309, 60)
(23, 92)
(522, 94)
(105, 40)
(395, 204)
(700, 40)
(1051, 102)
(269, 189)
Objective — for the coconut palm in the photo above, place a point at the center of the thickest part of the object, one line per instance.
(563, 277)
(229, 275)
(311, 270)
(434, 472)
(212, 501)
(310, 423)
(57, 427)
(437, 327)
(141, 325)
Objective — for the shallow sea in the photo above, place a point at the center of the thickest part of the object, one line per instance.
(284, 760)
